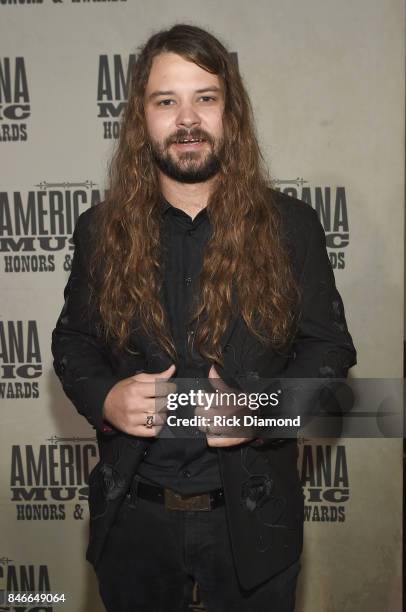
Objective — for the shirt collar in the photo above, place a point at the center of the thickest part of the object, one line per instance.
(165, 205)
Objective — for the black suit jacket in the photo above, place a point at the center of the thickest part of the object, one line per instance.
(263, 493)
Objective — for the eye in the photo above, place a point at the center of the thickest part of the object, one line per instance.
(207, 98)
(165, 102)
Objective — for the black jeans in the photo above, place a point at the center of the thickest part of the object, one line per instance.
(153, 555)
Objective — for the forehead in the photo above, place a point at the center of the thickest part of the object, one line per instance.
(170, 71)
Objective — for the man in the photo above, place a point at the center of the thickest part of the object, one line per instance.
(193, 268)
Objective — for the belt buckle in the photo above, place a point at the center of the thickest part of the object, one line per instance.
(175, 501)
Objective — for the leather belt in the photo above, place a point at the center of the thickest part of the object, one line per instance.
(175, 501)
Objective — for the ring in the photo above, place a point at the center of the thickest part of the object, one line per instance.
(150, 421)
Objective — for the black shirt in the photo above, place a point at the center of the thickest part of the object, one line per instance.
(182, 462)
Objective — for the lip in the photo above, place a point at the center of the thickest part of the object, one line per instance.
(189, 145)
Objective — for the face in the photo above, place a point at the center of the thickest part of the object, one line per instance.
(184, 107)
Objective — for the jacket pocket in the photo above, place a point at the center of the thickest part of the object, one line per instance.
(97, 500)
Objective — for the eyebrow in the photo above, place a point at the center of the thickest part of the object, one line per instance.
(156, 94)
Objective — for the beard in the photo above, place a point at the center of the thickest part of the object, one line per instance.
(190, 166)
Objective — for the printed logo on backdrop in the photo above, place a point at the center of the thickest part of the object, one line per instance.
(36, 226)
(49, 482)
(113, 83)
(21, 2)
(330, 203)
(324, 476)
(17, 577)
(15, 106)
(21, 365)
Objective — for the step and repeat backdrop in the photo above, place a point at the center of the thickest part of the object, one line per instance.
(326, 83)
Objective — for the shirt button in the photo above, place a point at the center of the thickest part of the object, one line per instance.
(190, 232)
(188, 281)
(186, 474)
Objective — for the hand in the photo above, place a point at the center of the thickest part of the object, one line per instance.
(219, 436)
(132, 400)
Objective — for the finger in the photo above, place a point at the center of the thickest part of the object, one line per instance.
(217, 382)
(229, 431)
(155, 404)
(140, 430)
(151, 377)
(213, 373)
(163, 389)
(148, 420)
(202, 411)
(205, 408)
(219, 385)
(206, 427)
(152, 389)
(166, 373)
(216, 441)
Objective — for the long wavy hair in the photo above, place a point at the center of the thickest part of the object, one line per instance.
(246, 268)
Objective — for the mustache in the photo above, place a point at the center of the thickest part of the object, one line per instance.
(194, 133)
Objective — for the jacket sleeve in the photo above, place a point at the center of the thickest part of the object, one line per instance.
(81, 359)
(323, 347)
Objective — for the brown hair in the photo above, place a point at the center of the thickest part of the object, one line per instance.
(245, 254)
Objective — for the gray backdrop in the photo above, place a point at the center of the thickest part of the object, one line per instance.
(326, 81)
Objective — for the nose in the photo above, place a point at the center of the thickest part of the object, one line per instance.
(187, 117)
